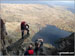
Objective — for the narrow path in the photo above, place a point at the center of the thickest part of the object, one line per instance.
(17, 44)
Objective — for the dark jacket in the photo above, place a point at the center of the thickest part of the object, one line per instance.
(36, 43)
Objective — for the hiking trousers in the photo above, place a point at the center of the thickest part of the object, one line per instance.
(23, 32)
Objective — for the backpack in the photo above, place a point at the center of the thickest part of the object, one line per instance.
(23, 23)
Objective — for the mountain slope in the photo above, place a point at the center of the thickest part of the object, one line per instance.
(37, 16)
(40, 14)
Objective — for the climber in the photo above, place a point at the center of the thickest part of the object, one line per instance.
(24, 27)
(38, 46)
(29, 50)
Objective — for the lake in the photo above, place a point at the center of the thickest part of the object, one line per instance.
(51, 34)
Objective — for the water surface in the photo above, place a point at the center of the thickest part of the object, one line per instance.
(51, 34)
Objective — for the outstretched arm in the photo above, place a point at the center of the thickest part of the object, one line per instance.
(27, 25)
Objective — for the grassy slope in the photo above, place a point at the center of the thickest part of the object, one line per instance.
(37, 16)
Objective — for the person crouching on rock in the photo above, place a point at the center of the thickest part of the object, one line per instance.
(29, 51)
(24, 27)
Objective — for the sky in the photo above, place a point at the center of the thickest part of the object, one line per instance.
(36, 0)
(22, 1)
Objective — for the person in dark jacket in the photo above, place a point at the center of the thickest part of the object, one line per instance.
(38, 46)
(24, 27)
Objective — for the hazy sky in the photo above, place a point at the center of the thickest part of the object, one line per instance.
(65, 1)
(36, 0)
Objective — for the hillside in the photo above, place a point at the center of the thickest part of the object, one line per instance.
(37, 16)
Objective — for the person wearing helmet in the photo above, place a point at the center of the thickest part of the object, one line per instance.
(24, 27)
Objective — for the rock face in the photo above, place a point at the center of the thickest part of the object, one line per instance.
(66, 44)
(2, 36)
